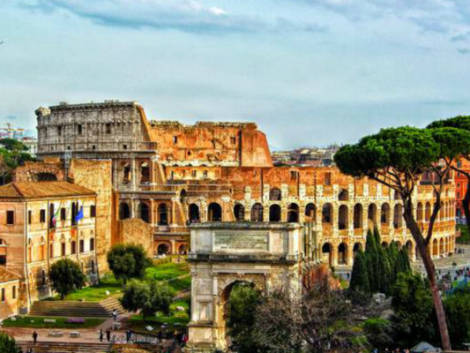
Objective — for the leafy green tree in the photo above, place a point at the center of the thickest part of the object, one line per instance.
(8, 344)
(412, 303)
(12, 154)
(148, 298)
(459, 122)
(128, 261)
(66, 276)
(359, 275)
(457, 306)
(397, 158)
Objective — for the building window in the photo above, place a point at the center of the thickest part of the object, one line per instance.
(92, 244)
(194, 173)
(293, 175)
(92, 211)
(62, 249)
(42, 216)
(63, 214)
(93, 147)
(30, 217)
(205, 174)
(108, 128)
(79, 129)
(82, 246)
(3, 259)
(73, 247)
(13, 292)
(175, 140)
(124, 147)
(59, 130)
(3, 294)
(10, 217)
(328, 178)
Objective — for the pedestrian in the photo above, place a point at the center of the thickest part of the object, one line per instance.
(108, 335)
(115, 314)
(128, 335)
(35, 337)
(101, 335)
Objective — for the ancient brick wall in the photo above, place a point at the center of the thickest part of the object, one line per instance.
(136, 231)
(96, 175)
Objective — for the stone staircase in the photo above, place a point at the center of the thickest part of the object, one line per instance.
(65, 347)
(76, 309)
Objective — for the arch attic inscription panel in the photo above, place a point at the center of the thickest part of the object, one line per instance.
(267, 255)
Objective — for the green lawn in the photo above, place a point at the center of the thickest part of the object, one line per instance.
(166, 271)
(97, 293)
(175, 274)
(38, 322)
(174, 320)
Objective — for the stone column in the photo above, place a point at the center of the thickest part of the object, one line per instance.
(133, 175)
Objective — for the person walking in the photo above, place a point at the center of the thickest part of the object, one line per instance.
(35, 337)
(115, 314)
(101, 335)
(108, 335)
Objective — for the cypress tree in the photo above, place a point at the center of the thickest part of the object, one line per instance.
(360, 276)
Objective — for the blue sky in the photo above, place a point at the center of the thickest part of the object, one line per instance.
(309, 72)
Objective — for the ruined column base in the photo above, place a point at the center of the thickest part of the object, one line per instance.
(202, 339)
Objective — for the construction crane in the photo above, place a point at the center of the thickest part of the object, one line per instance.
(11, 132)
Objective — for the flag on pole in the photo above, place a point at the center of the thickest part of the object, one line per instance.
(56, 214)
(79, 215)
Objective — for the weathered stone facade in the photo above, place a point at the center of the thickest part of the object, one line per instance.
(266, 255)
(171, 175)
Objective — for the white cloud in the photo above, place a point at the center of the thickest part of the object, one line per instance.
(217, 11)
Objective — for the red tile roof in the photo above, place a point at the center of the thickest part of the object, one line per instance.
(41, 189)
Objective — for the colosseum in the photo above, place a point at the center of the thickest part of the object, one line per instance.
(171, 175)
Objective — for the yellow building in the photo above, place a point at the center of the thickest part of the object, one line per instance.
(40, 223)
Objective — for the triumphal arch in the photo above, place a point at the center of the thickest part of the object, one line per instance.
(267, 255)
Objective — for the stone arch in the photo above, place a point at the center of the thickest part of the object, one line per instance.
(164, 248)
(293, 213)
(342, 254)
(144, 172)
(419, 212)
(126, 173)
(357, 247)
(311, 212)
(398, 216)
(274, 213)
(327, 213)
(427, 212)
(163, 214)
(385, 214)
(193, 213)
(384, 244)
(441, 246)
(275, 194)
(144, 212)
(327, 253)
(124, 210)
(435, 248)
(239, 212)
(343, 217)
(214, 212)
(372, 213)
(343, 195)
(257, 212)
(357, 216)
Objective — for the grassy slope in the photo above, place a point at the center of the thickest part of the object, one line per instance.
(38, 322)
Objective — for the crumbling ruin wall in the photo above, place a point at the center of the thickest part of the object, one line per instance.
(96, 175)
(136, 231)
(47, 170)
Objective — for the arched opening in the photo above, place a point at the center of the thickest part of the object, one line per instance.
(144, 212)
(214, 212)
(182, 250)
(162, 214)
(327, 213)
(342, 256)
(357, 247)
(239, 212)
(419, 212)
(274, 213)
(124, 211)
(144, 172)
(327, 254)
(385, 214)
(441, 246)
(343, 217)
(427, 212)
(293, 213)
(310, 213)
(435, 248)
(194, 213)
(372, 214)
(409, 248)
(182, 196)
(384, 244)
(357, 216)
(257, 212)
(163, 249)
(398, 216)
(343, 195)
(126, 173)
(275, 194)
